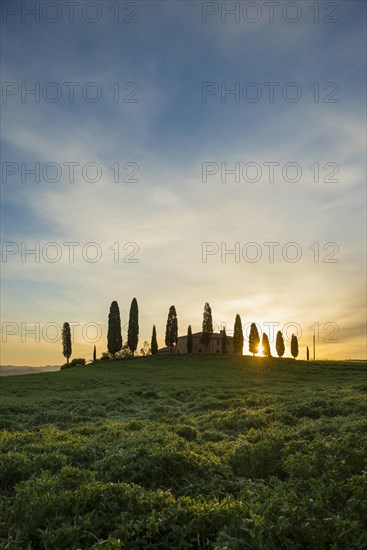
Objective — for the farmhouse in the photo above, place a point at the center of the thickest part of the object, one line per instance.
(215, 345)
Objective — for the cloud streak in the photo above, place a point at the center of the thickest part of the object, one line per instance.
(170, 212)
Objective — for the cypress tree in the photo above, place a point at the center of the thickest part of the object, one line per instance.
(171, 328)
(266, 345)
(153, 343)
(189, 339)
(224, 341)
(207, 326)
(279, 344)
(66, 341)
(94, 353)
(254, 339)
(307, 354)
(133, 330)
(238, 336)
(294, 346)
(114, 337)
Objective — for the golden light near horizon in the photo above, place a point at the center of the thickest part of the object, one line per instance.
(24, 345)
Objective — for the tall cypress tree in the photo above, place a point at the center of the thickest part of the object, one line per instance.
(294, 346)
(189, 339)
(223, 341)
(238, 336)
(279, 344)
(66, 342)
(254, 339)
(94, 353)
(266, 345)
(207, 326)
(307, 354)
(133, 330)
(153, 343)
(114, 337)
(171, 328)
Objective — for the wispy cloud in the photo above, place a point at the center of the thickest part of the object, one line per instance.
(170, 212)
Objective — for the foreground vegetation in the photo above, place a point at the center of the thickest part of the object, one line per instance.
(186, 452)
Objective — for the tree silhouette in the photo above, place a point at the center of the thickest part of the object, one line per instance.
(171, 328)
(307, 354)
(294, 346)
(114, 337)
(265, 345)
(133, 330)
(279, 344)
(145, 350)
(189, 340)
(207, 326)
(254, 339)
(94, 353)
(66, 341)
(238, 336)
(224, 341)
(153, 343)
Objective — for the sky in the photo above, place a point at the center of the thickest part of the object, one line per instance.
(186, 152)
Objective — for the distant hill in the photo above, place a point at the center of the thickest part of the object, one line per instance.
(12, 370)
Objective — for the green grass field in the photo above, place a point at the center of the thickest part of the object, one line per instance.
(186, 452)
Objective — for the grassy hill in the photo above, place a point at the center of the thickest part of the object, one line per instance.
(186, 452)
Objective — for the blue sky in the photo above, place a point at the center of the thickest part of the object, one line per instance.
(169, 132)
